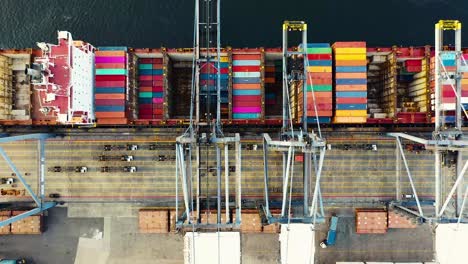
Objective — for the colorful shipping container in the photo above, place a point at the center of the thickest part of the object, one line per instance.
(111, 85)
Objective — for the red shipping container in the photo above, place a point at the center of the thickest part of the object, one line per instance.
(320, 81)
(299, 158)
(112, 121)
(157, 106)
(320, 75)
(247, 98)
(207, 82)
(157, 66)
(157, 111)
(213, 70)
(340, 100)
(145, 106)
(145, 111)
(247, 104)
(409, 63)
(110, 77)
(321, 106)
(157, 89)
(319, 56)
(145, 116)
(413, 68)
(109, 102)
(157, 77)
(157, 60)
(146, 83)
(145, 77)
(109, 65)
(110, 84)
(246, 68)
(246, 57)
(145, 60)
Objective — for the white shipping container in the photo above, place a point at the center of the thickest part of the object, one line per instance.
(297, 244)
(212, 248)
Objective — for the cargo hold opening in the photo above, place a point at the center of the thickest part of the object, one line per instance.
(273, 85)
(398, 86)
(180, 80)
(15, 87)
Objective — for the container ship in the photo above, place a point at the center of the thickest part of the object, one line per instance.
(75, 83)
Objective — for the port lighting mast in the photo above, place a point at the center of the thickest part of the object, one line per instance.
(292, 141)
(448, 137)
(205, 132)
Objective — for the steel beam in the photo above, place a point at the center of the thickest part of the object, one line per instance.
(226, 180)
(265, 178)
(454, 188)
(409, 176)
(285, 181)
(317, 185)
(238, 148)
(39, 136)
(409, 137)
(34, 211)
(398, 173)
(218, 183)
(460, 215)
(459, 195)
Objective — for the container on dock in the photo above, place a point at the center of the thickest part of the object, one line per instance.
(111, 86)
(319, 83)
(31, 225)
(371, 221)
(251, 221)
(153, 221)
(248, 84)
(400, 220)
(350, 78)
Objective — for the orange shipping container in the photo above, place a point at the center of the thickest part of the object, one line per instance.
(346, 88)
(351, 63)
(246, 86)
(109, 53)
(246, 56)
(110, 66)
(110, 114)
(349, 44)
(351, 75)
(112, 121)
(110, 96)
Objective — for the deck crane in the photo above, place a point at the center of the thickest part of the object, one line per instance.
(448, 139)
(203, 134)
(297, 233)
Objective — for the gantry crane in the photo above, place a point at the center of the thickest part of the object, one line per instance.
(205, 132)
(293, 141)
(448, 136)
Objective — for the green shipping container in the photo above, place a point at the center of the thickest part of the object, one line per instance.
(145, 66)
(111, 72)
(319, 51)
(320, 88)
(145, 95)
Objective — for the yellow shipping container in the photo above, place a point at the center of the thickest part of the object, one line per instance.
(349, 120)
(350, 51)
(319, 69)
(351, 113)
(350, 57)
(464, 81)
(224, 59)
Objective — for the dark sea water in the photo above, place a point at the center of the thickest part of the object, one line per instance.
(245, 23)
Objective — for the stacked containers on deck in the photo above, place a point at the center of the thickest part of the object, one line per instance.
(448, 62)
(111, 83)
(247, 86)
(319, 82)
(464, 81)
(351, 82)
(209, 82)
(151, 87)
